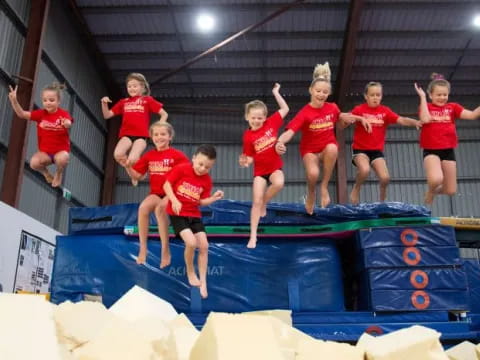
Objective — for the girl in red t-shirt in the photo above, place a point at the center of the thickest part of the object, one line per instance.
(158, 162)
(52, 132)
(438, 138)
(317, 121)
(136, 111)
(259, 148)
(367, 147)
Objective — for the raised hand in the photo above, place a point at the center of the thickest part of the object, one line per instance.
(105, 100)
(420, 91)
(276, 88)
(12, 95)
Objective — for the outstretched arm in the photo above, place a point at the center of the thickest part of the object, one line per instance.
(282, 104)
(406, 121)
(163, 115)
(470, 115)
(216, 196)
(424, 114)
(348, 118)
(12, 96)
(107, 113)
(280, 147)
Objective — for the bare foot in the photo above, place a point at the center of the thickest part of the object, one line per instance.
(252, 243)
(324, 198)
(428, 198)
(263, 210)
(309, 204)
(142, 256)
(354, 196)
(57, 179)
(48, 177)
(203, 290)
(165, 259)
(193, 279)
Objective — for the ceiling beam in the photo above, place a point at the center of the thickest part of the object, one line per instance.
(342, 86)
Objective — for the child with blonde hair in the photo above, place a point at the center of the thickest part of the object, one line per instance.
(135, 111)
(259, 148)
(317, 121)
(53, 124)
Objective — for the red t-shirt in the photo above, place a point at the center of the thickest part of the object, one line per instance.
(441, 133)
(189, 188)
(158, 164)
(260, 144)
(379, 118)
(136, 114)
(317, 126)
(52, 135)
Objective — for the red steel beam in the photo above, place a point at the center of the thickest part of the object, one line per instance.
(32, 51)
(342, 82)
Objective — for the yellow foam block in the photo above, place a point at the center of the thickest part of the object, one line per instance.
(462, 351)
(311, 349)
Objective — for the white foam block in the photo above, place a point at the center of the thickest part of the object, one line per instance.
(27, 328)
(312, 349)
(282, 315)
(182, 337)
(117, 340)
(78, 323)
(138, 303)
(415, 342)
(236, 337)
(463, 351)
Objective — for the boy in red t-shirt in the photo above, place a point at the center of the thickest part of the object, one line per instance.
(136, 111)
(367, 147)
(438, 138)
(259, 148)
(158, 162)
(52, 132)
(317, 121)
(188, 186)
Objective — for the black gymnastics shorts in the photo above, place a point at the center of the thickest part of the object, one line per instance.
(181, 223)
(267, 176)
(372, 155)
(443, 154)
(134, 138)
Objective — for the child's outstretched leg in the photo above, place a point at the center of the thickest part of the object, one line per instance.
(380, 167)
(259, 185)
(136, 151)
(329, 158)
(277, 180)
(202, 244)
(312, 172)
(162, 220)
(39, 162)
(434, 174)
(61, 161)
(146, 207)
(362, 162)
(121, 150)
(190, 245)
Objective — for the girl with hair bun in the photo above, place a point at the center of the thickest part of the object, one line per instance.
(136, 111)
(53, 124)
(318, 145)
(438, 137)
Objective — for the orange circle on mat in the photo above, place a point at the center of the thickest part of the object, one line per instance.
(420, 299)
(374, 330)
(404, 236)
(411, 256)
(414, 279)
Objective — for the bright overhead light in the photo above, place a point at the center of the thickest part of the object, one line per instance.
(205, 22)
(476, 21)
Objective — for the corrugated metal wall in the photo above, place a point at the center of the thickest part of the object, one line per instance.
(65, 60)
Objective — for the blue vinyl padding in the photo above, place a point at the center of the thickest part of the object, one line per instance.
(411, 279)
(418, 256)
(472, 269)
(112, 219)
(420, 236)
(403, 300)
(239, 279)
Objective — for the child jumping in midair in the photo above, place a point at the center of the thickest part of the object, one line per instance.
(188, 186)
(158, 162)
(52, 132)
(259, 147)
(438, 137)
(367, 147)
(317, 121)
(136, 110)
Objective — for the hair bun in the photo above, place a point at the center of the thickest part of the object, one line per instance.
(436, 76)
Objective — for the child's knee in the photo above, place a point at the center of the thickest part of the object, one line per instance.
(203, 247)
(62, 160)
(331, 150)
(384, 180)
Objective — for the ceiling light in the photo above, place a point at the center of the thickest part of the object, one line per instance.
(205, 22)
(476, 21)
